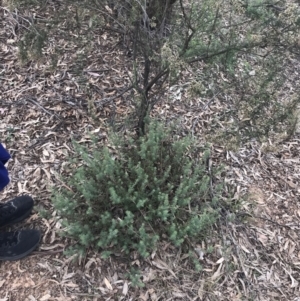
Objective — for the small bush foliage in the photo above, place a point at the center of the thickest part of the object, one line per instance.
(146, 189)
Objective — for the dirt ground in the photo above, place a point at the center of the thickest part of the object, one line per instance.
(254, 255)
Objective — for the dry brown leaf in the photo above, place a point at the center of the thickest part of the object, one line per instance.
(70, 284)
(263, 239)
(45, 297)
(125, 288)
(68, 276)
(217, 273)
(201, 289)
(107, 283)
(163, 266)
(179, 294)
(153, 295)
(220, 260)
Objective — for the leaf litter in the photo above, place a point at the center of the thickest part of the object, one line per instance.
(254, 256)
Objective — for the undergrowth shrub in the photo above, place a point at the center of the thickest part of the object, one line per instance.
(138, 191)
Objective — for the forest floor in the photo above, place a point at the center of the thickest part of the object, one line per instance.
(253, 256)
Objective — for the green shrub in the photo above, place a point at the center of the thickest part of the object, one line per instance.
(137, 191)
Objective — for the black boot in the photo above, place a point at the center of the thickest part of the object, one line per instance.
(16, 245)
(15, 210)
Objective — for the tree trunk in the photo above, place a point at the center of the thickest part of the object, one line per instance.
(159, 10)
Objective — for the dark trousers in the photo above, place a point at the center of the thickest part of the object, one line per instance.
(4, 157)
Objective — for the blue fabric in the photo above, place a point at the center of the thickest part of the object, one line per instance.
(4, 157)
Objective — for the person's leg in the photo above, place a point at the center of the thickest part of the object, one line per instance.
(4, 157)
(18, 244)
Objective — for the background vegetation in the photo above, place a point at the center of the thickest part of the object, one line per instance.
(235, 51)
